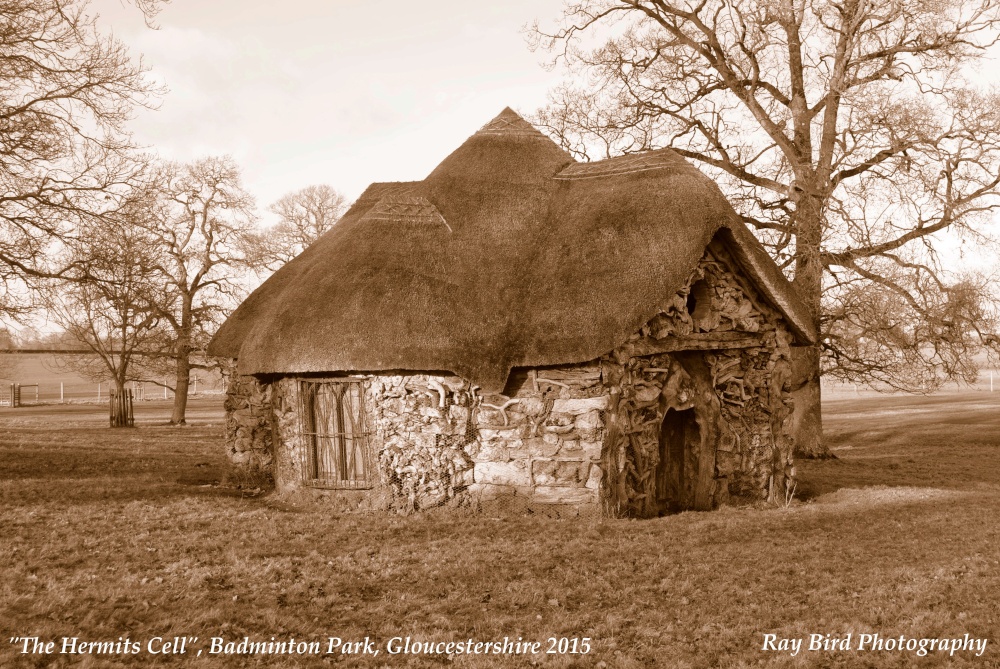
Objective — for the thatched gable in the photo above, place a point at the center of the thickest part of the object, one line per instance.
(508, 254)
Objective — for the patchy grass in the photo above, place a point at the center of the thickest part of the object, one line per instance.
(109, 534)
(947, 442)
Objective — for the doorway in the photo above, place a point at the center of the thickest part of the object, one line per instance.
(675, 472)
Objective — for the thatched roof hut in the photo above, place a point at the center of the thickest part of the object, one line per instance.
(509, 254)
(524, 329)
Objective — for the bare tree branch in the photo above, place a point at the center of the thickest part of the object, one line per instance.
(66, 92)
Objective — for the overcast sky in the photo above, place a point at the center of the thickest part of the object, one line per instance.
(342, 92)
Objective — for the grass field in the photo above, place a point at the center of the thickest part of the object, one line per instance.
(127, 533)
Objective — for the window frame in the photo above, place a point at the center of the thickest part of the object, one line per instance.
(311, 436)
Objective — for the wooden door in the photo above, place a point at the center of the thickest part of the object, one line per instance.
(679, 441)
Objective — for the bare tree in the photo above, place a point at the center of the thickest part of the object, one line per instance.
(8, 363)
(150, 9)
(303, 217)
(113, 305)
(66, 92)
(845, 132)
(198, 226)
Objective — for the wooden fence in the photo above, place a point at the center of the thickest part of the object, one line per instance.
(10, 395)
(120, 410)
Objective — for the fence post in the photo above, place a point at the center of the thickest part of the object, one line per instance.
(98, 392)
(62, 394)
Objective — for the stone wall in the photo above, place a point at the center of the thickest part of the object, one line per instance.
(438, 441)
(290, 452)
(755, 446)
(738, 387)
(422, 433)
(543, 439)
(248, 424)
(644, 389)
(743, 452)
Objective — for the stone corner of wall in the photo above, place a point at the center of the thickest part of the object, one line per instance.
(248, 434)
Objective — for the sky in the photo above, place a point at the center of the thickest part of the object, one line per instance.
(341, 92)
(338, 92)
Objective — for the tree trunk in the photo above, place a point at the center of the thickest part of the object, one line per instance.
(807, 416)
(183, 358)
(183, 381)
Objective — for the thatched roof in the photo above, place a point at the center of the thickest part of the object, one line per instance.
(508, 254)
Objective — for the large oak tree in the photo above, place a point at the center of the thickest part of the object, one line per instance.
(850, 134)
(198, 225)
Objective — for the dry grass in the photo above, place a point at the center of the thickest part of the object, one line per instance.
(114, 533)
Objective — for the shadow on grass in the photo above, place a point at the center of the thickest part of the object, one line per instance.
(947, 442)
(79, 465)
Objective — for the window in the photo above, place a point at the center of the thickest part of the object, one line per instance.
(337, 441)
(699, 303)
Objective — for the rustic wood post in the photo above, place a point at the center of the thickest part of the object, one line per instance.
(120, 410)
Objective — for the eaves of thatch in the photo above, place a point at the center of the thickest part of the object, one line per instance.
(508, 254)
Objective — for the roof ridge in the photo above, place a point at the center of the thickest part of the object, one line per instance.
(509, 123)
(402, 206)
(628, 163)
(378, 189)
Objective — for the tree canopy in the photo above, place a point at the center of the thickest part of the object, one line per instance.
(303, 217)
(112, 306)
(200, 220)
(66, 92)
